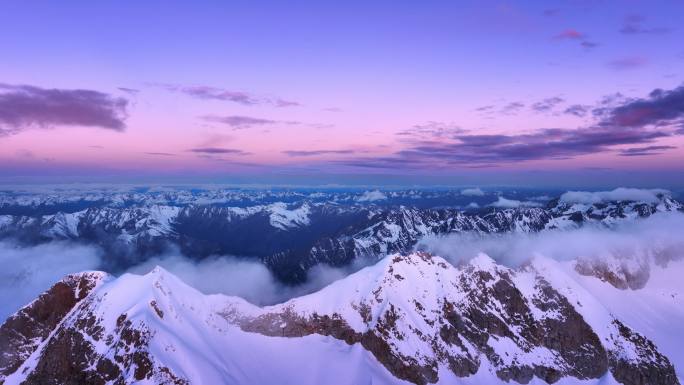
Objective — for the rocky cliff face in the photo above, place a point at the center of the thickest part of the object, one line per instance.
(422, 315)
(408, 319)
(24, 332)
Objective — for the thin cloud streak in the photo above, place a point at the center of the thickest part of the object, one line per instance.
(218, 150)
(241, 122)
(634, 26)
(645, 151)
(299, 153)
(628, 63)
(547, 104)
(573, 34)
(215, 93)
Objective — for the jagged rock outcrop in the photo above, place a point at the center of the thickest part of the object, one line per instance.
(23, 332)
(415, 317)
(423, 314)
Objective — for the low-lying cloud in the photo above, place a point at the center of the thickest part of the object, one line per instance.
(247, 279)
(656, 236)
(472, 192)
(28, 271)
(371, 196)
(619, 194)
(504, 203)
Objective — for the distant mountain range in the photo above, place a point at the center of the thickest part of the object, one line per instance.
(289, 235)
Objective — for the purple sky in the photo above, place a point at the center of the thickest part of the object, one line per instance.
(503, 92)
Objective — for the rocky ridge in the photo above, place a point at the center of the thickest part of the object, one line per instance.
(408, 319)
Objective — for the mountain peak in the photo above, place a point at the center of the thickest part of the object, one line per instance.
(421, 318)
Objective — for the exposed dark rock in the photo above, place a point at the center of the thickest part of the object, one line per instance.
(652, 368)
(620, 276)
(24, 331)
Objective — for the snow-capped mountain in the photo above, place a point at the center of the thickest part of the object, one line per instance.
(290, 238)
(408, 319)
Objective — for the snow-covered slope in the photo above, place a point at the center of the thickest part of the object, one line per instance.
(408, 319)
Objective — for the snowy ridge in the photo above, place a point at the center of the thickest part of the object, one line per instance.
(407, 319)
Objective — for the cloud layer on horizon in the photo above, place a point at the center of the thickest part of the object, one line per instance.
(618, 122)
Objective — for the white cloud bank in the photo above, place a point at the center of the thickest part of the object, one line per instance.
(472, 192)
(658, 235)
(619, 194)
(504, 203)
(244, 278)
(28, 271)
(371, 196)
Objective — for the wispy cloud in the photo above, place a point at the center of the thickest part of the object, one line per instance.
(130, 91)
(512, 108)
(547, 104)
(160, 153)
(573, 34)
(542, 144)
(218, 150)
(634, 25)
(431, 130)
(578, 110)
(645, 151)
(297, 153)
(240, 122)
(569, 34)
(285, 103)
(24, 106)
(551, 12)
(216, 93)
(628, 63)
(588, 44)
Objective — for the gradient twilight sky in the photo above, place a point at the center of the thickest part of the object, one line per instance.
(458, 91)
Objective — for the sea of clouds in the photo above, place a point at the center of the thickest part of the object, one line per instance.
(654, 236)
(28, 271)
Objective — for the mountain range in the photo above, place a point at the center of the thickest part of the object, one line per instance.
(410, 317)
(293, 235)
